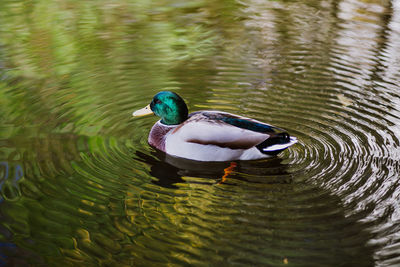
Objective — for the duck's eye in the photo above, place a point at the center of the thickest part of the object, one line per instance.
(158, 101)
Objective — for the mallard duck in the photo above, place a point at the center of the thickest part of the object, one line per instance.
(210, 135)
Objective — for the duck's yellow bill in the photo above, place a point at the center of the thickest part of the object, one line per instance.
(143, 112)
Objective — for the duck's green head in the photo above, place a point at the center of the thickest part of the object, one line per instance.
(167, 105)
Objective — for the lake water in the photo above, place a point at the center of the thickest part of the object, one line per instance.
(80, 186)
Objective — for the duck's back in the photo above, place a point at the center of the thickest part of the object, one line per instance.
(220, 136)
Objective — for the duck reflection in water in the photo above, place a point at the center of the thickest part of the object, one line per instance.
(169, 170)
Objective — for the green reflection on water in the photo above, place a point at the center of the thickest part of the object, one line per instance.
(87, 63)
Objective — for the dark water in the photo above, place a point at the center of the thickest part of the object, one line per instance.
(80, 186)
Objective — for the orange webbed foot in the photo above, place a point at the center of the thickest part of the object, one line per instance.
(228, 171)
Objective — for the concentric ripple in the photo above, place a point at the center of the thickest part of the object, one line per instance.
(79, 185)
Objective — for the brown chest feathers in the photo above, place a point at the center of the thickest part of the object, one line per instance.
(157, 136)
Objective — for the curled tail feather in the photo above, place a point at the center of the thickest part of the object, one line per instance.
(277, 143)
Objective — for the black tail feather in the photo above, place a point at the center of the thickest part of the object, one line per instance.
(278, 139)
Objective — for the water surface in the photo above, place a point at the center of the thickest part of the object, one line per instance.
(79, 185)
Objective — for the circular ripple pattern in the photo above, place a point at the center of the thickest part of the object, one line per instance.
(80, 185)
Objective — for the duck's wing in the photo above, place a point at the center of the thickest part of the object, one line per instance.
(225, 130)
(238, 121)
